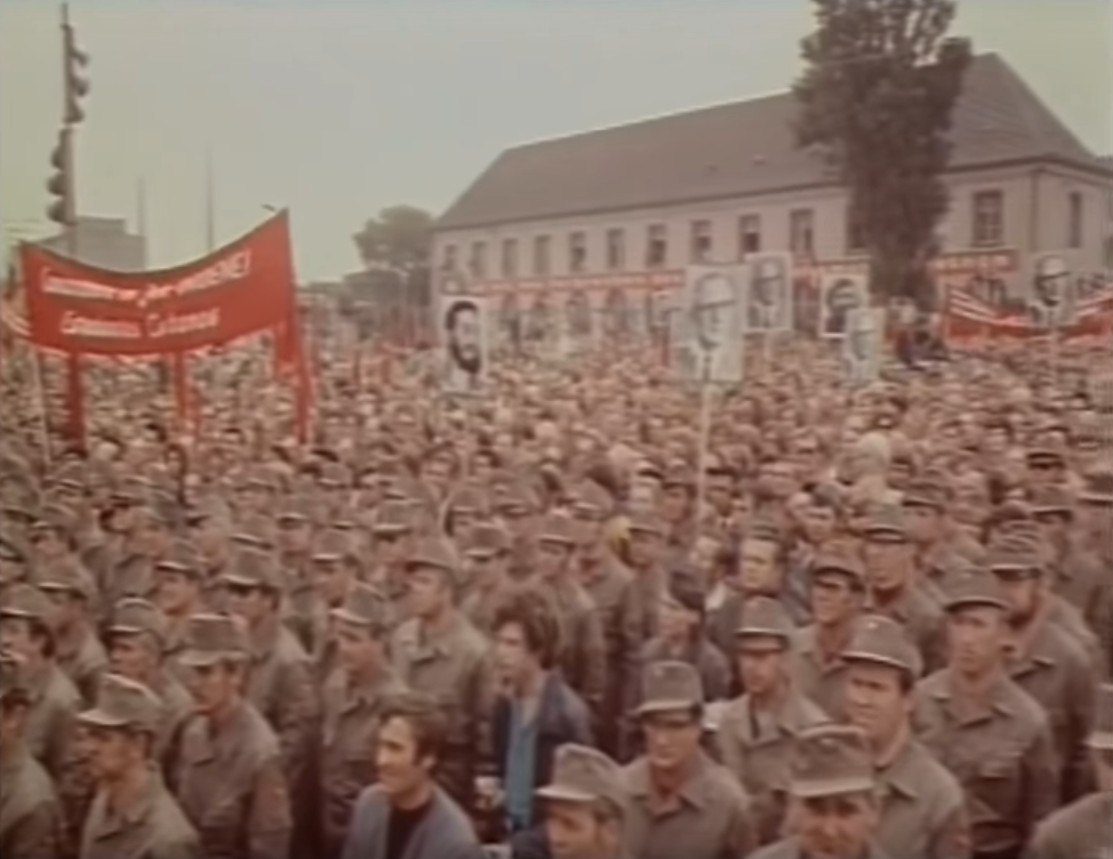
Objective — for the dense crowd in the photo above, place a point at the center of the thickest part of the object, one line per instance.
(554, 620)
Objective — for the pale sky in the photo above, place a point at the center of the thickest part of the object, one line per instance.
(337, 108)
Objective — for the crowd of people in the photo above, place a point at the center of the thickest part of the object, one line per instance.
(556, 619)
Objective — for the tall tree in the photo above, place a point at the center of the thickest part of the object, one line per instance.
(876, 96)
(398, 241)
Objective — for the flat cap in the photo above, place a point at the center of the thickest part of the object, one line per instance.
(1044, 457)
(433, 552)
(1098, 488)
(210, 507)
(645, 523)
(589, 499)
(55, 517)
(516, 500)
(332, 544)
(254, 532)
(182, 558)
(366, 606)
(765, 618)
(925, 493)
(12, 550)
(468, 499)
(881, 640)
(973, 588)
(1050, 499)
(886, 524)
(335, 474)
(1013, 552)
(68, 576)
(583, 774)
(254, 569)
(25, 601)
(487, 539)
(124, 703)
(556, 528)
(679, 477)
(294, 509)
(211, 638)
(831, 760)
(394, 517)
(839, 556)
(668, 686)
(134, 616)
(1101, 734)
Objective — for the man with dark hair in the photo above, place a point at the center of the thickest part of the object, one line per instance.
(536, 710)
(463, 333)
(406, 815)
(133, 815)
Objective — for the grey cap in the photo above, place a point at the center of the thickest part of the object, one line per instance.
(366, 606)
(255, 569)
(133, 616)
(831, 760)
(881, 640)
(765, 618)
(211, 638)
(583, 774)
(124, 703)
(670, 686)
(1101, 735)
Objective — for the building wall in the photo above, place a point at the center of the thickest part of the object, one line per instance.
(1035, 206)
(102, 242)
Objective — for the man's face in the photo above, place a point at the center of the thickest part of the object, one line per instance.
(1095, 521)
(976, 635)
(675, 504)
(875, 701)
(574, 832)
(392, 547)
(332, 577)
(176, 592)
(400, 769)
(1022, 590)
(761, 663)
(833, 599)
(552, 558)
(713, 310)
(671, 738)
(111, 752)
(428, 591)
(677, 622)
(251, 603)
(834, 827)
(437, 473)
(16, 637)
(356, 648)
(888, 563)
(819, 523)
(132, 657)
(645, 548)
(512, 656)
(720, 493)
(47, 544)
(923, 523)
(464, 342)
(212, 686)
(293, 536)
(760, 571)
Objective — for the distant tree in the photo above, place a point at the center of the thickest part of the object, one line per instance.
(876, 97)
(396, 245)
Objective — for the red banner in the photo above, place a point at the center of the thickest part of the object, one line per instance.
(244, 288)
(967, 318)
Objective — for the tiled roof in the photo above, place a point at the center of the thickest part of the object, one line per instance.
(737, 149)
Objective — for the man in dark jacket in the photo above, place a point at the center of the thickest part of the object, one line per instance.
(405, 815)
(536, 711)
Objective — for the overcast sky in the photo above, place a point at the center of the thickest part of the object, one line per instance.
(337, 109)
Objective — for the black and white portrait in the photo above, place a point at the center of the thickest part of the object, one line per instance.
(769, 297)
(841, 294)
(464, 339)
(713, 323)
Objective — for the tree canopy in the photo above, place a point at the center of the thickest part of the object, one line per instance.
(398, 239)
(876, 96)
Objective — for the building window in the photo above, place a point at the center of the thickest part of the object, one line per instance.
(855, 235)
(577, 252)
(801, 231)
(749, 235)
(449, 261)
(478, 263)
(540, 255)
(509, 258)
(702, 241)
(616, 249)
(656, 246)
(1074, 225)
(989, 214)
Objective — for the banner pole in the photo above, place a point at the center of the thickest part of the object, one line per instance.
(704, 441)
(40, 396)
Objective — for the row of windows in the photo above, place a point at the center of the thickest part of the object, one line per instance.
(988, 230)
